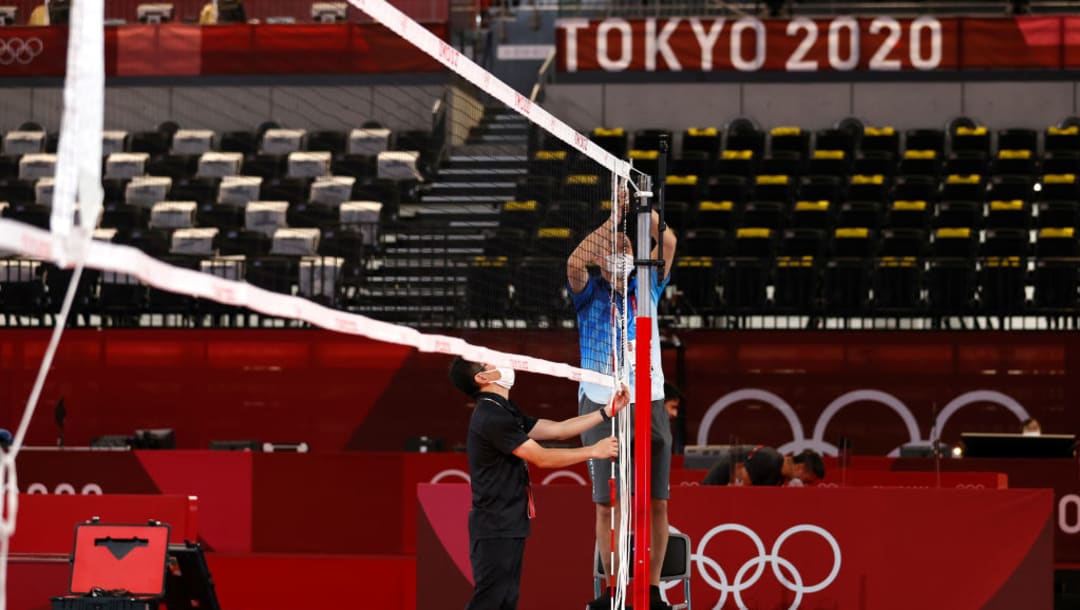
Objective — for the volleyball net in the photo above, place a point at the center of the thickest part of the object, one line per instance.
(457, 203)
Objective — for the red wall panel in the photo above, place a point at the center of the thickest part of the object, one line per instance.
(340, 392)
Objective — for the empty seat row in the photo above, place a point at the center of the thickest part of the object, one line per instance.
(963, 135)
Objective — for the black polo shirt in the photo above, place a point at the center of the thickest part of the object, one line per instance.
(500, 479)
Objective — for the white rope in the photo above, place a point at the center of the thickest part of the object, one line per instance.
(429, 43)
(34, 242)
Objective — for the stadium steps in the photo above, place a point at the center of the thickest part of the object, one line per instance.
(425, 257)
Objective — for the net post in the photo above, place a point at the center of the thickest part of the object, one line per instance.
(642, 399)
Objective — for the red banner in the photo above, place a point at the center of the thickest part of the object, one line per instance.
(779, 548)
(840, 44)
(191, 50)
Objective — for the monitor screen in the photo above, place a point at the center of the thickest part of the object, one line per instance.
(978, 444)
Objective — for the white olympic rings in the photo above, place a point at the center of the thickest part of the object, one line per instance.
(779, 564)
(817, 441)
(16, 50)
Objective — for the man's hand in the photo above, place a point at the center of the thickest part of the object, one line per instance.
(620, 400)
(606, 448)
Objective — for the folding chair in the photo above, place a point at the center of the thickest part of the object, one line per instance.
(676, 567)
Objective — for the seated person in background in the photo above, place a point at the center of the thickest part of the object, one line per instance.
(804, 468)
(759, 465)
(1030, 427)
(208, 14)
(39, 16)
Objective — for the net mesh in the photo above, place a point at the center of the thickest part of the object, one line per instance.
(455, 203)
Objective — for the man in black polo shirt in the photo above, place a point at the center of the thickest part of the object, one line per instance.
(501, 440)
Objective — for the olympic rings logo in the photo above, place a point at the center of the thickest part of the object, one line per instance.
(817, 440)
(751, 571)
(17, 50)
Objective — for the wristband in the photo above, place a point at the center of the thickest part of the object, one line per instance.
(603, 414)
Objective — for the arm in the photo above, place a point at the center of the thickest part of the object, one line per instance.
(548, 430)
(538, 455)
(589, 252)
(593, 249)
(670, 241)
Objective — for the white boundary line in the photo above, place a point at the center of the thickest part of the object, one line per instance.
(429, 43)
(36, 243)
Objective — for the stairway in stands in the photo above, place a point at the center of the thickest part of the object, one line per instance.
(421, 273)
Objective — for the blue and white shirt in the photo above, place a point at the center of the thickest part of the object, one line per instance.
(595, 319)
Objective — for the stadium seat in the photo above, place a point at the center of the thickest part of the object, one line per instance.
(920, 162)
(273, 273)
(697, 279)
(916, 188)
(702, 140)
(1058, 214)
(154, 143)
(539, 286)
(243, 142)
(960, 187)
(293, 190)
(820, 188)
(487, 294)
(868, 188)
(1002, 283)
(645, 161)
(773, 187)
(748, 271)
(790, 140)
(266, 166)
(973, 138)
(898, 271)
(860, 214)
(1018, 139)
(1062, 139)
(334, 142)
(649, 139)
(836, 162)
(614, 140)
(704, 242)
(798, 271)
(1008, 214)
(22, 290)
(743, 134)
(769, 214)
(813, 214)
(737, 162)
(1060, 162)
(191, 142)
(554, 242)
(880, 140)
(122, 299)
(782, 162)
(966, 162)
(925, 139)
(177, 167)
(241, 242)
(908, 214)
(684, 188)
(1019, 162)
(844, 140)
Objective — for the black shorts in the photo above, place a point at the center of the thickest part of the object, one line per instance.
(600, 470)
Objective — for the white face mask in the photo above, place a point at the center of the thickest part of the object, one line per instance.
(1032, 432)
(506, 377)
(619, 265)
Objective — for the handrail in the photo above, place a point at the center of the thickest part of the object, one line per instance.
(544, 76)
